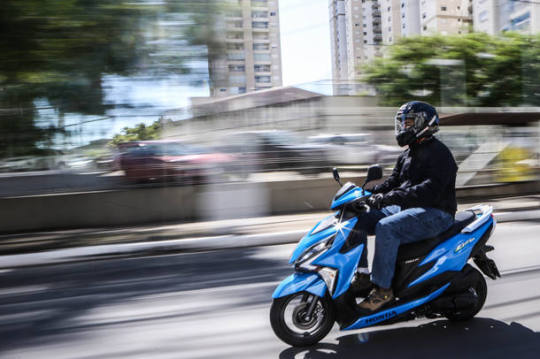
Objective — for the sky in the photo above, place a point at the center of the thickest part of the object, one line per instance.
(305, 41)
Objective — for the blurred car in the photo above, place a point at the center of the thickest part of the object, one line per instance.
(355, 149)
(169, 160)
(275, 150)
(351, 148)
(30, 163)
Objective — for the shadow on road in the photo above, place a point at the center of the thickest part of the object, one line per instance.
(58, 296)
(478, 338)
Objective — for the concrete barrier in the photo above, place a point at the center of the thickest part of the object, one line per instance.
(175, 204)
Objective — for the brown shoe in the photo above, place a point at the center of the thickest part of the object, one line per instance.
(377, 299)
(361, 285)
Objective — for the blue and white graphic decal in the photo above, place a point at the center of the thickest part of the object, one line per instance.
(453, 254)
(300, 282)
(369, 320)
(352, 195)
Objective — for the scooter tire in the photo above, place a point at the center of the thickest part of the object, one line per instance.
(282, 330)
(480, 287)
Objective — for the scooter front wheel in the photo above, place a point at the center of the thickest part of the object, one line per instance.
(291, 322)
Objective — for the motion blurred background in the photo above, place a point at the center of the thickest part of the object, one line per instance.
(228, 96)
(139, 125)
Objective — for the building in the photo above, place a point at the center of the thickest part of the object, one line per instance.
(361, 28)
(355, 33)
(445, 16)
(486, 16)
(495, 16)
(251, 59)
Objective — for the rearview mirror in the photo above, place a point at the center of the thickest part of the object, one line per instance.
(375, 172)
(336, 175)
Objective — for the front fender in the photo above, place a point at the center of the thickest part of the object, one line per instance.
(301, 282)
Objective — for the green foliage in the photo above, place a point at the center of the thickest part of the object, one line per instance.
(59, 51)
(489, 71)
(140, 132)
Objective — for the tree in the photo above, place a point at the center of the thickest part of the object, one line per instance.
(60, 51)
(140, 132)
(464, 70)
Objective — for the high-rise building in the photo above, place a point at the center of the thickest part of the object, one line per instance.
(445, 16)
(495, 16)
(399, 18)
(486, 16)
(355, 33)
(251, 59)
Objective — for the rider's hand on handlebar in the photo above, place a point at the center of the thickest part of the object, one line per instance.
(376, 201)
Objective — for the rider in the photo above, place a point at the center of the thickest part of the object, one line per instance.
(416, 202)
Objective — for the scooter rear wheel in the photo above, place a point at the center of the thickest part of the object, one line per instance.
(290, 324)
(479, 289)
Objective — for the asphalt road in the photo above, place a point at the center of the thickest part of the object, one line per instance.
(215, 305)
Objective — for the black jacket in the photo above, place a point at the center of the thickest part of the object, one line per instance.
(424, 176)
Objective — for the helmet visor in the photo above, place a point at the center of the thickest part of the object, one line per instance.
(401, 123)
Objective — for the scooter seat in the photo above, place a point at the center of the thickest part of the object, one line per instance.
(420, 248)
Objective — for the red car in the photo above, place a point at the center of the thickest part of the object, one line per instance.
(163, 160)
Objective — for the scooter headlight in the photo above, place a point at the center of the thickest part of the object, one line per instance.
(313, 252)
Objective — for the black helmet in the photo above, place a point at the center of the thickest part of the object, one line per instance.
(426, 122)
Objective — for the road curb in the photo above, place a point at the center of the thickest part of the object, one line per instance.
(184, 245)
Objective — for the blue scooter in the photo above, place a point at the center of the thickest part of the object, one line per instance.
(432, 278)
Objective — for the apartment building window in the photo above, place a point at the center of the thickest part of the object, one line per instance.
(263, 36)
(261, 57)
(260, 24)
(237, 90)
(365, 33)
(259, 47)
(235, 56)
(236, 24)
(263, 79)
(443, 8)
(483, 16)
(235, 46)
(272, 13)
(259, 2)
(237, 68)
(262, 68)
(423, 15)
(259, 14)
(237, 79)
(234, 35)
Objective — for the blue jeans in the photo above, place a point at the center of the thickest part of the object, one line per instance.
(393, 227)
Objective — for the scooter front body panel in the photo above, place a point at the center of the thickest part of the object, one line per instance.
(301, 282)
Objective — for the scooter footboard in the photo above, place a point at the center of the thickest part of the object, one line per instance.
(301, 282)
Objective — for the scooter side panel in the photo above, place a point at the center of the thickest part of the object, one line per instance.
(378, 317)
(451, 255)
(300, 282)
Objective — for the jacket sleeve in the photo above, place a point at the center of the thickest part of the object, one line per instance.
(439, 172)
(393, 180)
